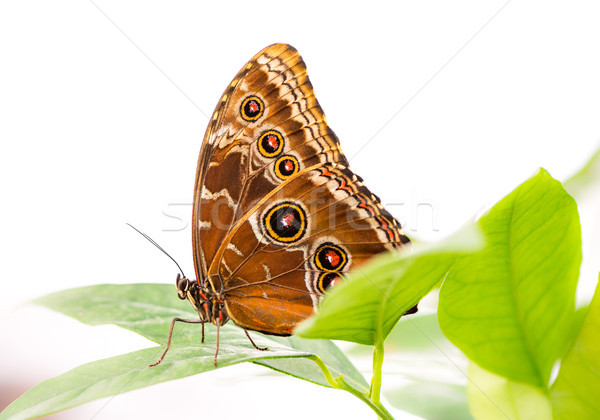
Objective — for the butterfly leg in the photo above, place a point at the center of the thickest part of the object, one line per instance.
(203, 332)
(254, 344)
(188, 321)
(218, 323)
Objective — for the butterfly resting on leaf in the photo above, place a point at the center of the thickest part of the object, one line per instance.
(278, 217)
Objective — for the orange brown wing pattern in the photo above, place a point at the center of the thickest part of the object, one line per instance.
(267, 127)
(277, 263)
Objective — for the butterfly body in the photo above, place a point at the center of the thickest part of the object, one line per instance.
(278, 217)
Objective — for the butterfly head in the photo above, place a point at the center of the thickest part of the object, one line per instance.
(183, 285)
(190, 290)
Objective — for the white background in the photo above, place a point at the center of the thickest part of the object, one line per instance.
(442, 107)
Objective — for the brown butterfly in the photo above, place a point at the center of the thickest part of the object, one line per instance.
(278, 217)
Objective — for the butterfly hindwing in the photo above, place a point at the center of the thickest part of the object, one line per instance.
(277, 264)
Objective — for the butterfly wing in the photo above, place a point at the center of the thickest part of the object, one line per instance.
(267, 127)
(279, 260)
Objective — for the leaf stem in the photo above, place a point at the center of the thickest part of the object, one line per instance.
(340, 383)
(377, 366)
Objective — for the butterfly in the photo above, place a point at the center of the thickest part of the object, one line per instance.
(278, 217)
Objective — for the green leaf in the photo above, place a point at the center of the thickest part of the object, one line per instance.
(116, 375)
(147, 309)
(493, 397)
(432, 401)
(366, 306)
(306, 369)
(577, 388)
(509, 307)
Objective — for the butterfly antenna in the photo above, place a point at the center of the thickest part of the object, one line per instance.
(153, 242)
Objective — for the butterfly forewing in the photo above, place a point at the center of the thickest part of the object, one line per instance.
(267, 127)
